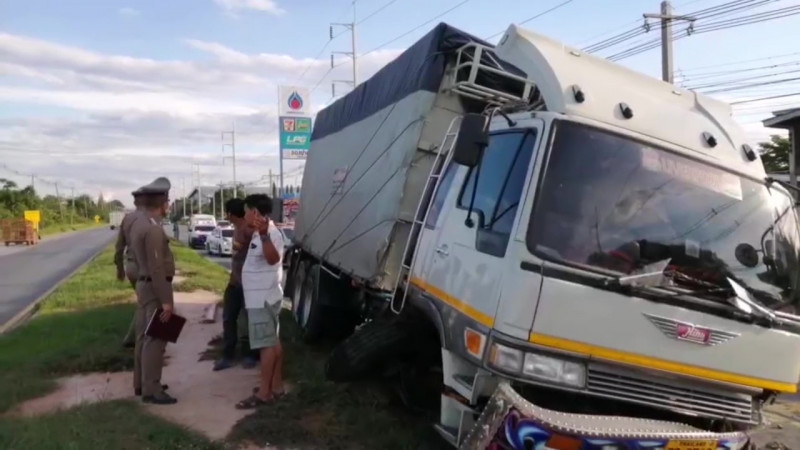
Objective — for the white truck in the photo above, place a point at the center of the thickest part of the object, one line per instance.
(584, 256)
(115, 218)
(200, 227)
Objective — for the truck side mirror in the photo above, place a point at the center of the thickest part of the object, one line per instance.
(471, 140)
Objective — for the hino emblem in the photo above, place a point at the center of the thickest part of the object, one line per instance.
(690, 332)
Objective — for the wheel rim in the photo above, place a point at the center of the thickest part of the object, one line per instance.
(297, 290)
(308, 299)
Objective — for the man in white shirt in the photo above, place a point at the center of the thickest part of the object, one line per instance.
(263, 295)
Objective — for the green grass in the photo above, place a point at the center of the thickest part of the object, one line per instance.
(200, 273)
(94, 285)
(79, 329)
(112, 425)
(58, 228)
(329, 415)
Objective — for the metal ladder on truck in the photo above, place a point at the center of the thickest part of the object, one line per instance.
(440, 162)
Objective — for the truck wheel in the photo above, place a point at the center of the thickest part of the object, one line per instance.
(368, 351)
(311, 308)
(299, 276)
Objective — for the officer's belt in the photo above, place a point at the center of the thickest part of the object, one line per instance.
(148, 279)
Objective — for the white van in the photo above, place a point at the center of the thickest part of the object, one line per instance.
(200, 226)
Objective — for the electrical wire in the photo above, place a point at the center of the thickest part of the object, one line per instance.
(397, 38)
(321, 51)
(759, 99)
(722, 10)
(328, 72)
(733, 63)
(739, 80)
(722, 73)
(745, 86)
(374, 13)
(529, 19)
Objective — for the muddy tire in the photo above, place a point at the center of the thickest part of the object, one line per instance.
(299, 277)
(369, 350)
(311, 310)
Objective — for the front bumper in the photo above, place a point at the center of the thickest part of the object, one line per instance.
(197, 241)
(510, 421)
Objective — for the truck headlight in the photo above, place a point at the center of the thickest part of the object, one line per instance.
(505, 358)
(554, 369)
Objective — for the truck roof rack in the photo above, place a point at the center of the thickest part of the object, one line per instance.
(475, 63)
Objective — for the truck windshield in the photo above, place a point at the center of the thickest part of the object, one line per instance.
(612, 203)
(204, 228)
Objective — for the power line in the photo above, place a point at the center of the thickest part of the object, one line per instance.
(321, 51)
(722, 73)
(707, 13)
(745, 86)
(734, 81)
(328, 72)
(373, 13)
(395, 39)
(733, 63)
(547, 11)
(771, 97)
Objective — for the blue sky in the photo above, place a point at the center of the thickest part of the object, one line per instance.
(119, 91)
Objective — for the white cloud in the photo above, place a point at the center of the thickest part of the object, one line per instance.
(130, 119)
(129, 12)
(267, 6)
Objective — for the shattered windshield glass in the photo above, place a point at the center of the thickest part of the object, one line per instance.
(613, 203)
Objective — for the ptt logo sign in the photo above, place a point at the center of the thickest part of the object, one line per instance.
(295, 101)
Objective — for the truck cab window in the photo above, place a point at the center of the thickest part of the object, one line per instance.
(441, 194)
(502, 176)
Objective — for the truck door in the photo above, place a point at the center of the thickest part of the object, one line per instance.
(465, 266)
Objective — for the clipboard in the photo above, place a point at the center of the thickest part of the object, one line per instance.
(166, 331)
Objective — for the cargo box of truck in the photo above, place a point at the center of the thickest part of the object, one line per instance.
(372, 150)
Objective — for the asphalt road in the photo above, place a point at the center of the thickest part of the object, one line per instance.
(224, 261)
(28, 273)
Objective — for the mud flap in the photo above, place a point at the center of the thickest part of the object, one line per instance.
(511, 422)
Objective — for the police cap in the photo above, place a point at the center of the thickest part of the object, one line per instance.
(159, 186)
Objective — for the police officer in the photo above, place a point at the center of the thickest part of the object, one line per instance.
(156, 266)
(124, 260)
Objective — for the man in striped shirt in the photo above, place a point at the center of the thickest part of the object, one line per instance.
(263, 295)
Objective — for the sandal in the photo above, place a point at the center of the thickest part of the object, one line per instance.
(252, 402)
(275, 395)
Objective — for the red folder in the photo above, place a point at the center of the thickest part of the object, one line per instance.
(166, 331)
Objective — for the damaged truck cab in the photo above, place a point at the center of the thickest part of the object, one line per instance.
(600, 253)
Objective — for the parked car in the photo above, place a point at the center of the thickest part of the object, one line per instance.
(220, 241)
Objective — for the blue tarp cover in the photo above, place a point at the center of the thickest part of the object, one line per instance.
(420, 67)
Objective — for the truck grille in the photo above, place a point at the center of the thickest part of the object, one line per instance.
(670, 395)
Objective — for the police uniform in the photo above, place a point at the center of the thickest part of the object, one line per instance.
(125, 261)
(156, 267)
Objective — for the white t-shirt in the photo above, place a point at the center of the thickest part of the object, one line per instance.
(261, 281)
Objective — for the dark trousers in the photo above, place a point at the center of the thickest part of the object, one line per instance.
(233, 306)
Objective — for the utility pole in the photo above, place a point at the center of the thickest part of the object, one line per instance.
(667, 18)
(183, 181)
(232, 145)
(353, 54)
(72, 196)
(196, 172)
(60, 206)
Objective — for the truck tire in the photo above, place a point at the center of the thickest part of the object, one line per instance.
(311, 309)
(369, 350)
(298, 278)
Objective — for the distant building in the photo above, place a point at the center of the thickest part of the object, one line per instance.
(788, 119)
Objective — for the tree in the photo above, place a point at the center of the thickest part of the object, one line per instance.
(775, 154)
